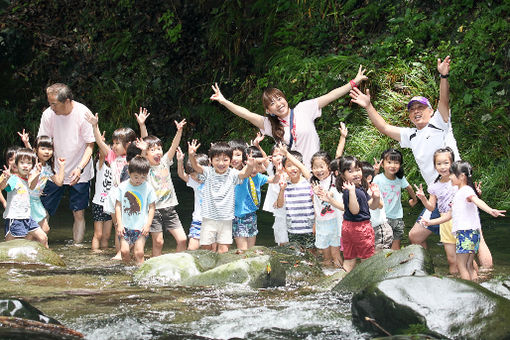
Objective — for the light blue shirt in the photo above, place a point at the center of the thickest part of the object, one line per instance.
(391, 194)
(135, 201)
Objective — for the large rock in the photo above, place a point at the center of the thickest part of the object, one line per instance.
(166, 269)
(412, 260)
(442, 307)
(256, 272)
(28, 252)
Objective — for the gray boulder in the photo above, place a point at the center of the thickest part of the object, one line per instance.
(28, 252)
(168, 269)
(441, 307)
(412, 260)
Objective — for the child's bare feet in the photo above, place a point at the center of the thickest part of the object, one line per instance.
(117, 257)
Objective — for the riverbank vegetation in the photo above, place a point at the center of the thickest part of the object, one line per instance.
(164, 55)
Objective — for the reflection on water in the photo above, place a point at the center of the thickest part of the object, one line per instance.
(96, 296)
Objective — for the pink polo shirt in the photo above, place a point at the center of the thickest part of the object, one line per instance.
(71, 133)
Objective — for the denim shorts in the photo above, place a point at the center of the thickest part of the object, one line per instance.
(433, 214)
(78, 196)
(20, 228)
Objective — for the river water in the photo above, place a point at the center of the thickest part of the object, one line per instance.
(97, 296)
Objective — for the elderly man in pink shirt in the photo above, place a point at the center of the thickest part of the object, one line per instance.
(73, 140)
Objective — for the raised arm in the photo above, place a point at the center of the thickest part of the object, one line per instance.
(192, 153)
(443, 67)
(177, 138)
(25, 139)
(94, 120)
(240, 111)
(353, 200)
(141, 118)
(34, 175)
(4, 177)
(281, 195)
(363, 100)
(341, 142)
(256, 143)
(429, 204)
(248, 168)
(180, 166)
(304, 170)
(375, 200)
(343, 90)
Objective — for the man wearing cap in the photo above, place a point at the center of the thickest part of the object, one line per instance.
(432, 131)
(73, 140)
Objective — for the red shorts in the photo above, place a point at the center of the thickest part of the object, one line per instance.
(358, 239)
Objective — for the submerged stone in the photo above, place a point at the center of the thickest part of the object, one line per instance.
(168, 269)
(412, 260)
(13, 328)
(442, 307)
(28, 252)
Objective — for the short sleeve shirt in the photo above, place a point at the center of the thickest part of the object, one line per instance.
(103, 183)
(465, 214)
(161, 180)
(391, 194)
(444, 193)
(117, 164)
(364, 210)
(135, 201)
(307, 140)
(197, 190)
(18, 199)
(70, 134)
(46, 173)
(218, 193)
(244, 195)
(423, 143)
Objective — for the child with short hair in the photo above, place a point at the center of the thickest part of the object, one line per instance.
(218, 194)
(18, 222)
(247, 201)
(10, 160)
(297, 196)
(382, 230)
(134, 210)
(160, 178)
(190, 176)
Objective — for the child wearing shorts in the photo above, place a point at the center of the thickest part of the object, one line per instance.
(134, 210)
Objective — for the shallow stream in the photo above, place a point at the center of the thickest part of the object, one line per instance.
(97, 297)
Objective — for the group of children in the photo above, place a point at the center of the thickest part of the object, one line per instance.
(341, 205)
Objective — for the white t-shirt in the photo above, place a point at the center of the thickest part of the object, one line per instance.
(307, 140)
(103, 183)
(71, 133)
(464, 214)
(273, 189)
(197, 192)
(437, 134)
(218, 193)
(18, 199)
(161, 180)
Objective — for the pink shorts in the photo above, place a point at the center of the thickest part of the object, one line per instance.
(358, 239)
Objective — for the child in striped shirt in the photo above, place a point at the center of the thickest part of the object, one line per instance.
(218, 193)
(297, 196)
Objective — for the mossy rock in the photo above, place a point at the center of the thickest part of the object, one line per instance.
(330, 281)
(28, 252)
(257, 272)
(168, 269)
(204, 259)
(412, 260)
(440, 307)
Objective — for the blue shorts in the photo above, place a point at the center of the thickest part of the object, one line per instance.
(78, 196)
(245, 226)
(468, 241)
(194, 229)
(131, 236)
(20, 228)
(434, 214)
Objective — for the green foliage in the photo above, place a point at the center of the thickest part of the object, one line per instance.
(118, 56)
